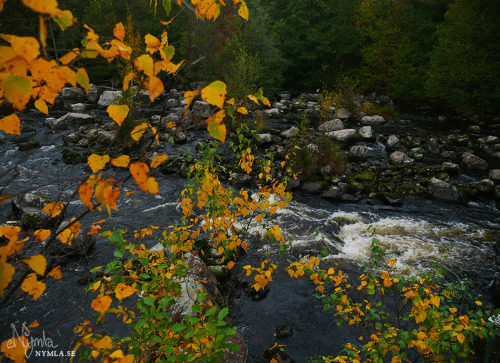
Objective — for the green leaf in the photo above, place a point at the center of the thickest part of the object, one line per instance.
(148, 300)
(167, 6)
(223, 313)
(118, 254)
(233, 346)
(140, 324)
(211, 311)
(178, 327)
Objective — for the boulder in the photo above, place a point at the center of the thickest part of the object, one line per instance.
(78, 107)
(442, 190)
(263, 139)
(343, 136)
(372, 120)
(495, 175)
(366, 133)
(474, 162)
(314, 188)
(109, 98)
(326, 170)
(171, 103)
(178, 135)
(71, 120)
(334, 193)
(448, 167)
(358, 151)
(488, 140)
(332, 125)
(393, 143)
(273, 112)
(171, 117)
(293, 184)
(72, 92)
(400, 158)
(486, 186)
(201, 109)
(290, 132)
(342, 114)
(93, 94)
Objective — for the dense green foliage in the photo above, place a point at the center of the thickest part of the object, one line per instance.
(442, 51)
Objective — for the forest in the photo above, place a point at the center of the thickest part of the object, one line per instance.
(149, 154)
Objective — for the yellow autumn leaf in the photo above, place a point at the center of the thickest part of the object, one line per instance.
(34, 324)
(158, 160)
(85, 192)
(230, 265)
(121, 161)
(146, 64)
(127, 79)
(70, 56)
(2, 3)
(118, 113)
(215, 93)
(124, 291)
(11, 124)
(243, 10)
(56, 273)
(138, 131)
(42, 106)
(119, 31)
(189, 96)
(15, 348)
(104, 343)
(149, 186)
(215, 126)
(101, 304)
(97, 162)
(39, 68)
(32, 286)
(17, 90)
(54, 209)
(66, 236)
(37, 263)
(242, 110)
(155, 87)
(152, 43)
(83, 79)
(26, 47)
(42, 6)
(139, 171)
(6, 271)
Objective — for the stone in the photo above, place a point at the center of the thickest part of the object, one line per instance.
(109, 98)
(284, 331)
(495, 175)
(486, 186)
(342, 114)
(290, 132)
(241, 355)
(72, 92)
(263, 139)
(242, 180)
(70, 120)
(284, 96)
(334, 193)
(488, 140)
(293, 184)
(312, 147)
(372, 120)
(395, 202)
(178, 135)
(448, 167)
(348, 198)
(343, 136)
(273, 112)
(93, 94)
(358, 151)
(201, 109)
(400, 158)
(107, 136)
(442, 190)
(393, 143)
(78, 107)
(313, 187)
(220, 272)
(326, 170)
(171, 103)
(474, 162)
(366, 133)
(332, 125)
(474, 128)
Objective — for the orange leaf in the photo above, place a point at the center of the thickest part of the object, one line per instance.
(34, 324)
(70, 75)
(152, 43)
(2, 3)
(215, 93)
(149, 186)
(56, 273)
(17, 90)
(37, 263)
(66, 236)
(69, 57)
(54, 209)
(42, 6)
(85, 192)
(140, 172)
(42, 106)
(230, 265)
(127, 79)
(146, 64)
(26, 47)
(42, 234)
(105, 194)
(15, 348)
(64, 19)
(97, 162)
(118, 113)
(121, 161)
(39, 68)
(6, 273)
(123, 291)
(189, 97)
(105, 343)
(11, 124)
(32, 286)
(158, 160)
(243, 10)
(138, 131)
(75, 226)
(119, 31)
(242, 110)
(155, 88)
(101, 304)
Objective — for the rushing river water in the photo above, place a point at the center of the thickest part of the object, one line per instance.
(420, 230)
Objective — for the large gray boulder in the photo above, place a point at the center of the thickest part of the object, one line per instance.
(372, 120)
(366, 133)
(400, 158)
(358, 151)
(343, 136)
(393, 143)
(495, 175)
(72, 92)
(332, 125)
(474, 162)
(442, 190)
(109, 98)
(70, 120)
(201, 109)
